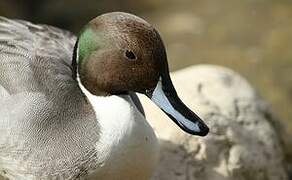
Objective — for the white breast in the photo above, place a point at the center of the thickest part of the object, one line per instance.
(128, 148)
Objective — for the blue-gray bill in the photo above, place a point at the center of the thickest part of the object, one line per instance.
(166, 98)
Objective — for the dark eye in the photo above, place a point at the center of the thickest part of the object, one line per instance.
(130, 55)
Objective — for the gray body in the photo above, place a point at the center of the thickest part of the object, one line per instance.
(36, 91)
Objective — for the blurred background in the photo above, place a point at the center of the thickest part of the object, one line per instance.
(253, 37)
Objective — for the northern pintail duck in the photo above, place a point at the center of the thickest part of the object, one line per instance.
(68, 106)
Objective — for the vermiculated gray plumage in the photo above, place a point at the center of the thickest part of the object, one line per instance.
(27, 48)
(41, 105)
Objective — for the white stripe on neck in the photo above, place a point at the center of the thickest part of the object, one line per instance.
(113, 116)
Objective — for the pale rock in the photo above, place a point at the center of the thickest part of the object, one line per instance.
(242, 144)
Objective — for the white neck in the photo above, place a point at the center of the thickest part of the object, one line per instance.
(126, 138)
(111, 123)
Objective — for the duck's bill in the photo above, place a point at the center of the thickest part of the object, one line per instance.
(165, 97)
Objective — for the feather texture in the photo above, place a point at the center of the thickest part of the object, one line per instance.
(41, 105)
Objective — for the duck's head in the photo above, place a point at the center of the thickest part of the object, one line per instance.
(117, 53)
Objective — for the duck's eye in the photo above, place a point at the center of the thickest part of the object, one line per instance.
(130, 55)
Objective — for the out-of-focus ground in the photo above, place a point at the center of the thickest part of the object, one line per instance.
(253, 37)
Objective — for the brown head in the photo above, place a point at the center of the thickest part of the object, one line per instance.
(117, 53)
